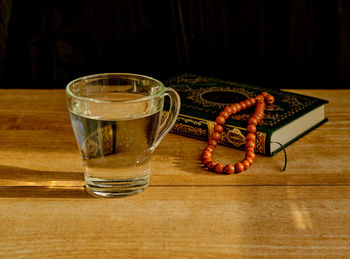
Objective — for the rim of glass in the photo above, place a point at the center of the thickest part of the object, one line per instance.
(88, 99)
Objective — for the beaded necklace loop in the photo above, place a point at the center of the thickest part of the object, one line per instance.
(260, 102)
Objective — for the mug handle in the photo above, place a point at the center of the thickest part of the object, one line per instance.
(170, 120)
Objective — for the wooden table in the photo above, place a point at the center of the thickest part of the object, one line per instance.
(187, 211)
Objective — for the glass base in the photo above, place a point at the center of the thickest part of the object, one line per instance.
(116, 188)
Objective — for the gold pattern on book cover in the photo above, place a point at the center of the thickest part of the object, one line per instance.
(188, 126)
(186, 129)
(235, 137)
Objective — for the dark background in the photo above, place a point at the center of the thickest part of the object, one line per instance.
(274, 43)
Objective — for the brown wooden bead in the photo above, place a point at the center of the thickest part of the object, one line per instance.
(211, 164)
(270, 99)
(246, 164)
(234, 109)
(248, 103)
(206, 154)
(251, 136)
(249, 159)
(218, 128)
(224, 114)
(262, 115)
(258, 116)
(220, 120)
(238, 107)
(251, 128)
(253, 121)
(211, 146)
(250, 144)
(252, 100)
(206, 161)
(229, 169)
(264, 94)
(239, 167)
(250, 149)
(209, 149)
(216, 135)
(250, 153)
(213, 143)
(260, 109)
(260, 104)
(243, 105)
(219, 167)
(259, 98)
(228, 109)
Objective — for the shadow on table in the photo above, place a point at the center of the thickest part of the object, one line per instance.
(17, 182)
(18, 176)
(44, 192)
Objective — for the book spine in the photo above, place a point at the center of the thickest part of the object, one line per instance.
(232, 136)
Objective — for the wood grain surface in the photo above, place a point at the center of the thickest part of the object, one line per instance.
(187, 212)
(185, 222)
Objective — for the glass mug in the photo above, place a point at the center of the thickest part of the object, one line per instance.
(116, 119)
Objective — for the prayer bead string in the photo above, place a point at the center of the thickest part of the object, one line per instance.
(260, 102)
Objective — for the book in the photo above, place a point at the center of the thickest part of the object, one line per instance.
(290, 117)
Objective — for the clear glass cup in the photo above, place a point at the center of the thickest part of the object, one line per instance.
(116, 119)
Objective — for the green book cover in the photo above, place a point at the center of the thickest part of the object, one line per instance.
(202, 99)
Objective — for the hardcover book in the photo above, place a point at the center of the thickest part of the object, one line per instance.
(202, 98)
